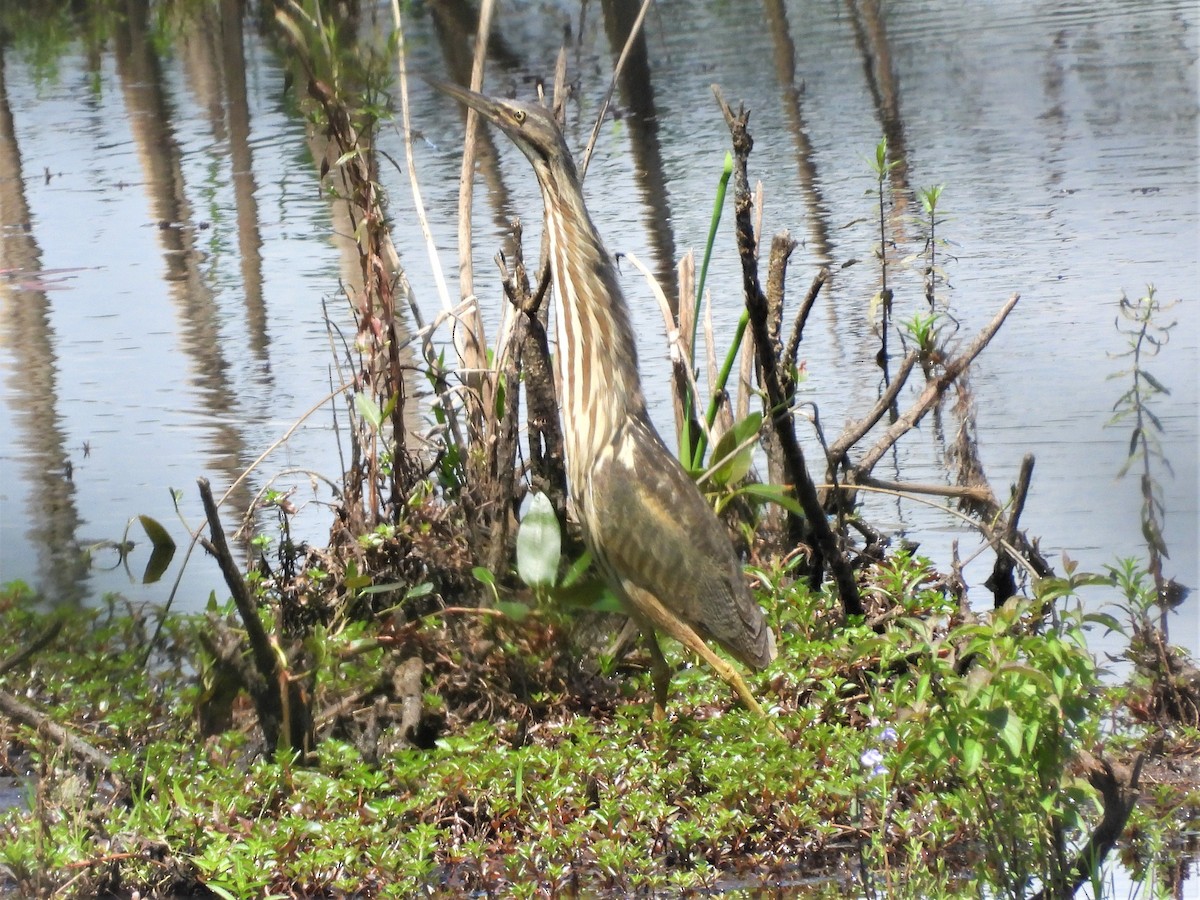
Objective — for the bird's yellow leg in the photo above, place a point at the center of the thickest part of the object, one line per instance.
(663, 620)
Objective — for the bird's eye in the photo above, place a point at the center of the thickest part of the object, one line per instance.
(519, 116)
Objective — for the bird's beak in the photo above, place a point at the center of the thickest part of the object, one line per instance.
(485, 106)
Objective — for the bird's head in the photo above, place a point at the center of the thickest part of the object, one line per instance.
(530, 125)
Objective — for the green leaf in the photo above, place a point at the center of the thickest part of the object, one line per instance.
(518, 612)
(384, 588)
(1031, 736)
(419, 590)
(734, 459)
(608, 603)
(358, 582)
(1154, 537)
(483, 575)
(389, 407)
(1029, 673)
(576, 570)
(972, 756)
(1013, 734)
(163, 552)
(539, 544)
(369, 410)
(1109, 622)
(157, 534)
(1154, 382)
(773, 493)
(1133, 439)
(501, 402)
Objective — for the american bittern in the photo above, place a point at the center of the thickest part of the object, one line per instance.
(657, 542)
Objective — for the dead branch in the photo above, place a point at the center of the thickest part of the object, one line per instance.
(682, 374)
(782, 246)
(1009, 543)
(933, 392)
(681, 367)
(959, 491)
(824, 541)
(781, 250)
(635, 32)
(855, 431)
(406, 681)
(470, 341)
(260, 644)
(814, 290)
(41, 723)
(1001, 582)
(282, 704)
(532, 354)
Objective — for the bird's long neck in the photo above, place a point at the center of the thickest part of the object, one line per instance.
(599, 386)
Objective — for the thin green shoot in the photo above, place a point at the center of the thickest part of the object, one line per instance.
(690, 401)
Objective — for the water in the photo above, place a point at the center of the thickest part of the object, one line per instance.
(165, 250)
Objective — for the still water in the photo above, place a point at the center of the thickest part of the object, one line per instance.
(167, 259)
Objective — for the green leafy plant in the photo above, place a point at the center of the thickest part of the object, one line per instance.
(929, 198)
(1146, 336)
(1008, 729)
(881, 303)
(925, 329)
(539, 557)
(689, 458)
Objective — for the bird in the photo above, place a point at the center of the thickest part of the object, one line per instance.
(654, 538)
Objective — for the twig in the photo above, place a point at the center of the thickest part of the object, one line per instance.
(25, 714)
(532, 353)
(718, 393)
(681, 364)
(971, 492)
(559, 96)
(282, 705)
(782, 246)
(746, 376)
(260, 644)
(1001, 582)
(686, 280)
(407, 684)
(1018, 555)
(793, 344)
(855, 431)
(406, 123)
(933, 391)
(634, 31)
(466, 180)
(470, 352)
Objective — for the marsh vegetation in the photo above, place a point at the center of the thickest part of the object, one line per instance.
(428, 700)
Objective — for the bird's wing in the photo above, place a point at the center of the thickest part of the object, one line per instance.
(655, 530)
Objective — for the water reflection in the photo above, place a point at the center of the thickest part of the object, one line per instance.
(791, 94)
(161, 363)
(51, 513)
(151, 121)
(181, 350)
(637, 98)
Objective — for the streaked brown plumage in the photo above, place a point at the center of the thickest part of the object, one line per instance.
(658, 543)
